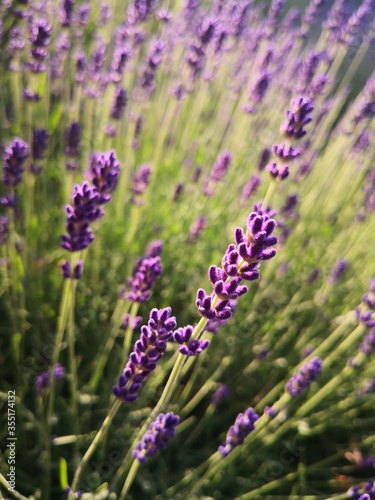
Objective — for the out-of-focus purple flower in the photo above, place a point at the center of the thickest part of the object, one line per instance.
(221, 393)
(121, 56)
(154, 249)
(217, 173)
(270, 411)
(66, 12)
(307, 351)
(137, 132)
(146, 273)
(237, 433)
(119, 103)
(42, 381)
(189, 347)
(4, 229)
(368, 388)
(297, 116)
(40, 143)
(13, 159)
(141, 180)
(134, 323)
(147, 351)
(74, 274)
(264, 158)
(336, 19)
(258, 91)
(83, 14)
(104, 172)
(178, 191)
(207, 30)
(338, 271)
(285, 152)
(368, 344)
(356, 22)
(366, 492)
(304, 377)
(308, 70)
(249, 188)
(156, 438)
(196, 228)
(312, 11)
(153, 60)
(84, 209)
(73, 140)
(30, 96)
(279, 173)
(164, 15)
(313, 276)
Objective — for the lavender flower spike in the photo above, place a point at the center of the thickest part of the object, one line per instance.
(14, 157)
(237, 433)
(156, 438)
(302, 379)
(147, 351)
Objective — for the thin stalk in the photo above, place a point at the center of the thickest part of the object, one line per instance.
(99, 436)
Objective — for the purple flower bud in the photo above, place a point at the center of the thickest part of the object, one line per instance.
(285, 152)
(40, 143)
(104, 172)
(4, 229)
(297, 117)
(42, 381)
(221, 393)
(73, 139)
(264, 158)
(66, 12)
(249, 188)
(196, 228)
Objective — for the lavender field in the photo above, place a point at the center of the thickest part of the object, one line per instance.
(187, 235)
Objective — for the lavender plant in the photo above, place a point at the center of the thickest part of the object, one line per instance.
(155, 157)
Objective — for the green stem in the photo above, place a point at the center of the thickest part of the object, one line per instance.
(99, 436)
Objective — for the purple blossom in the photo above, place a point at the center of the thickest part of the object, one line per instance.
(119, 103)
(104, 172)
(189, 347)
(42, 381)
(40, 143)
(147, 351)
(276, 172)
(368, 344)
(156, 438)
(13, 159)
(304, 377)
(258, 91)
(66, 12)
(297, 116)
(221, 393)
(74, 274)
(146, 273)
(249, 189)
(196, 228)
(178, 191)
(264, 158)
(217, 173)
(84, 209)
(270, 411)
(313, 10)
(4, 229)
(366, 492)
(73, 139)
(133, 323)
(338, 271)
(368, 388)
(141, 180)
(285, 152)
(237, 433)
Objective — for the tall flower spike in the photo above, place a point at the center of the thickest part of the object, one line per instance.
(104, 172)
(156, 438)
(237, 433)
(14, 157)
(147, 351)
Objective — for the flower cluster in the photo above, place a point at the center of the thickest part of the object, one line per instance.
(217, 173)
(40, 32)
(42, 381)
(104, 172)
(141, 180)
(156, 438)
(119, 103)
(146, 273)
(189, 347)
(240, 262)
(72, 145)
(69, 273)
(338, 271)
(80, 214)
(40, 145)
(13, 159)
(147, 352)
(237, 433)
(365, 492)
(302, 379)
